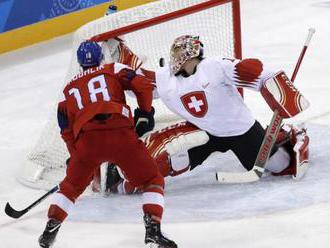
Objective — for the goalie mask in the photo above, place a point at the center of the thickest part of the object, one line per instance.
(184, 48)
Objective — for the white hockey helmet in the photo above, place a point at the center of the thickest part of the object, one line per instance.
(184, 48)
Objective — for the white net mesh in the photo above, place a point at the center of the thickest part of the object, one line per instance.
(46, 163)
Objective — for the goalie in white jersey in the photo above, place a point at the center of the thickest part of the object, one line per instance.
(203, 91)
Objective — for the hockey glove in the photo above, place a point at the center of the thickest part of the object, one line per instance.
(62, 118)
(144, 121)
(281, 95)
(126, 75)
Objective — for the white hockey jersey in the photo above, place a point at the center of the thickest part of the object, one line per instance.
(209, 98)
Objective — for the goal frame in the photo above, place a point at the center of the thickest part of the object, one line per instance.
(177, 14)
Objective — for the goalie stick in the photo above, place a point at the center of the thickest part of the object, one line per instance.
(269, 140)
(11, 212)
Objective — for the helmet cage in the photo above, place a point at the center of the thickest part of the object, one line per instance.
(184, 48)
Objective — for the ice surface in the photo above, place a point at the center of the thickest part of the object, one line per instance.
(274, 212)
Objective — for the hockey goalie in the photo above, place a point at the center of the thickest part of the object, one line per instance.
(203, 91)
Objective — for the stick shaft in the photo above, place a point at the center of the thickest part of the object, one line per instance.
(311, 31)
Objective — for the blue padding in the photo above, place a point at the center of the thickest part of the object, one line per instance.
(19, 13)
(5, 7)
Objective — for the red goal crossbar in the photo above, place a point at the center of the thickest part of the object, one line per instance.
(179, 13)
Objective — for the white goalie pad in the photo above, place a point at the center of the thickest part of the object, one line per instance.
(176, 138)
(185, 141)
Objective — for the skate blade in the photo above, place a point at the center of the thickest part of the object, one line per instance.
(153, 245)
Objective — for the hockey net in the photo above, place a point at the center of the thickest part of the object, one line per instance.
(148, 30)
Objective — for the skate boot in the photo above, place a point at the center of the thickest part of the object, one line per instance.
(154, 237)
(47, 238)
(113, 179)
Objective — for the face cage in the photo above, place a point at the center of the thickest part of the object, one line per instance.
(176, 62)
(186, 52)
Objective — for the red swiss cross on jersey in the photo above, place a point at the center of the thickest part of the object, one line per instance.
(195, 103)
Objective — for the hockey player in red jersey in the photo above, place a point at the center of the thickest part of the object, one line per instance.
(97, 126)
(116, 51)
(203, 91)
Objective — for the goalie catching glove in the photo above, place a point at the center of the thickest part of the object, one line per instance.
(281, 95)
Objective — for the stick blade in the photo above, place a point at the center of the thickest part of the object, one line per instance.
(12, 212)
(236, 177)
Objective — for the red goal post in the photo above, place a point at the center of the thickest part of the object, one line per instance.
(148, 30)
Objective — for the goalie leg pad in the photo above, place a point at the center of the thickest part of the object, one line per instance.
(298, 148)
(173, 139)
(170, 147)
(278, 161)
(186, 141)
(300, 161)
(174, 165)
(281, 95)
(281, 158)
(180, 163)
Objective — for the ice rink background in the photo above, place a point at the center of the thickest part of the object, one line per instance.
(275, 212)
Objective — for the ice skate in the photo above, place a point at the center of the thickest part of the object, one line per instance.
(47, 238)
(154, 237)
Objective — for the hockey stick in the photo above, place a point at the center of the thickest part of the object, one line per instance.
(311, 31)
(258, 168)
(11, 212)
(269, 140)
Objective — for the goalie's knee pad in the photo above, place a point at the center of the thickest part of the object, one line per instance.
(184, 141)
(180, 163)
(170, 146)
(172, 165)
(298, 148)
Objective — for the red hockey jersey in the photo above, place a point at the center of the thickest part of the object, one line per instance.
(100, 90)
